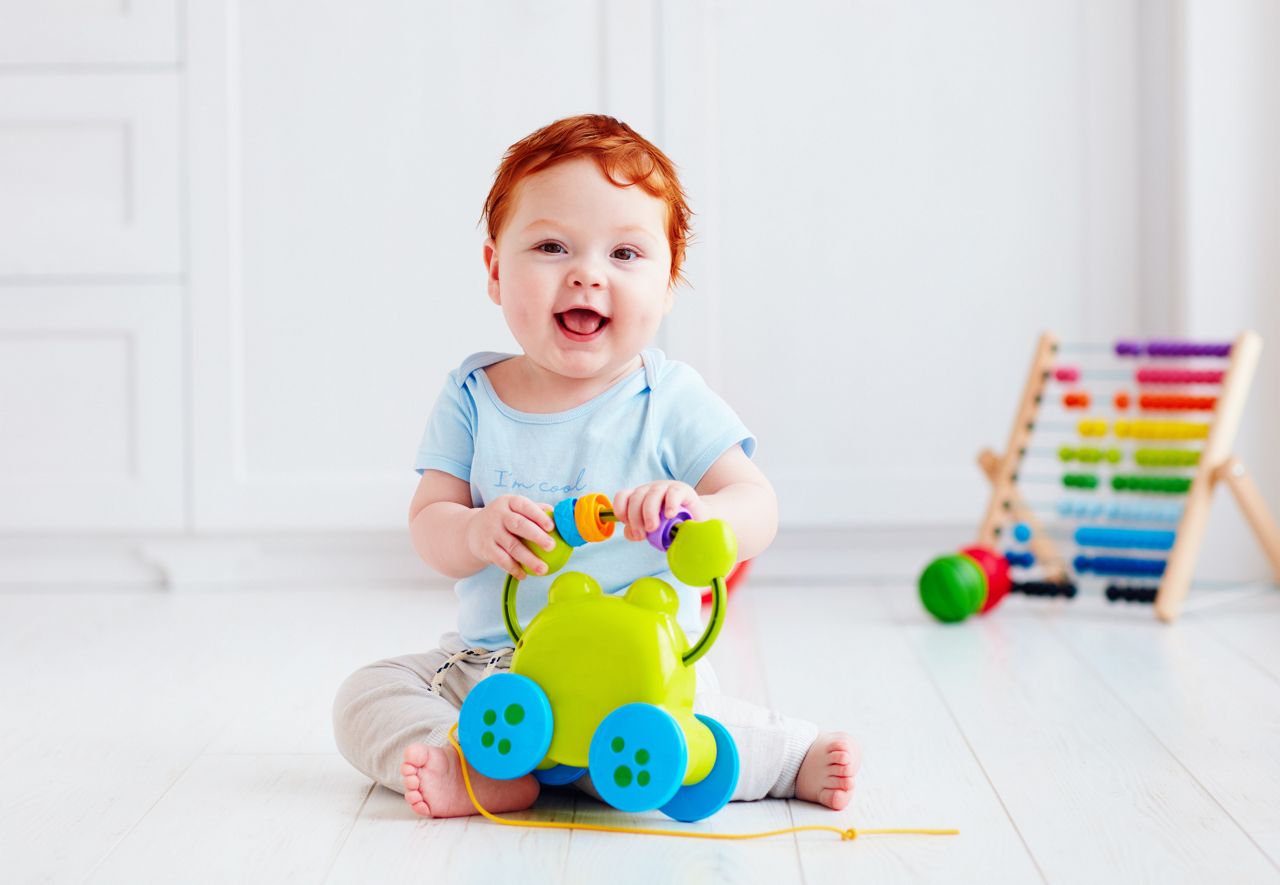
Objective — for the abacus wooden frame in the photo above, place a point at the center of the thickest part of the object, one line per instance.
(1217, 464)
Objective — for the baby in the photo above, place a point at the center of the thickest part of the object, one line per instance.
(587, 227)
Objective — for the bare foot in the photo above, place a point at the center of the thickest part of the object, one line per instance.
(433, 785)
(827, 772)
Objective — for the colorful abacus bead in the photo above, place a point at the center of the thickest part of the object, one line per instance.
(588, 516)
(566, 524)
(661, 537)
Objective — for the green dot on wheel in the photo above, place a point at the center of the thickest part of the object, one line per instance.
(642, 756)
(514, 714)
(618, 744)
(486, 739)
(490, 717)
(643, 778)
(504, 746)
(622, 776)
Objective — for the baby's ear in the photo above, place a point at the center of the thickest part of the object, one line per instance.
(491, 270)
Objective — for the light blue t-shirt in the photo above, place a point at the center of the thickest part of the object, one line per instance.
(660, 422)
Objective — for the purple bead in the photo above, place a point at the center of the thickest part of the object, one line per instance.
(1128, 348)
(660, 537)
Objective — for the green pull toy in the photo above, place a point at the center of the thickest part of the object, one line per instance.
(604, 684)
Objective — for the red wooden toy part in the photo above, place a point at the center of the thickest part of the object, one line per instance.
(996, 568)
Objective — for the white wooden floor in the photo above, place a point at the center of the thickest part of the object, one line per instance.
(154, 737)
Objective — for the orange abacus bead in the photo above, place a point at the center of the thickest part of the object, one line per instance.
(1122, 400)
(1076, 400)
(587, 517)
(1173, 402)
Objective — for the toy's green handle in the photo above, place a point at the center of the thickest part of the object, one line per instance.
(509, 616)
(708, 637)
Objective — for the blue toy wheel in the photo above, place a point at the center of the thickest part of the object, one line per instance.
(709, 795)
(505, 726)
(637, 757)
(559, 775)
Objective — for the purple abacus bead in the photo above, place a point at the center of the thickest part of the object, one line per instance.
(660, 537)
(1128, 348)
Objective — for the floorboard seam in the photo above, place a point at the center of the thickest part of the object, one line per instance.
(1106, 685)
(965, 737)
(355, 819)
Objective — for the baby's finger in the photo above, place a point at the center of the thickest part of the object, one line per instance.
(516, 548)
(536, 512)
(620, 506)
(651, 510)
(503, 560)
(635, 514)
(524, 527)
(676, 497)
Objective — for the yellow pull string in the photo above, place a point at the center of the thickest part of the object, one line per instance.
(845, 835)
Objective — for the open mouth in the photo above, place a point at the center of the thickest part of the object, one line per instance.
(581, 324)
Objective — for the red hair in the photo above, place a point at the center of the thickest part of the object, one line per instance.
(625, 157)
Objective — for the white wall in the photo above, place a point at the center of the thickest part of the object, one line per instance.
(239, 250)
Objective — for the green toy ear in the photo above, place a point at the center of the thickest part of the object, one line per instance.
(701, 551)
(572, 585)
(653, 593)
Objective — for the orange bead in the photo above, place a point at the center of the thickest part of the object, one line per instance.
(1122, 400)
(587, 517)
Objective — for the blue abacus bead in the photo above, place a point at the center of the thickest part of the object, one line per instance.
(566, 525)
(661, 537)
(1022, 533)
(505, 726)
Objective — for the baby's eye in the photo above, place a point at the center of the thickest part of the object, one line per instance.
(550, 248)
(631, 255)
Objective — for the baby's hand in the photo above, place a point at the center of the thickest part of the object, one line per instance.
(496, 534)
(644, 507)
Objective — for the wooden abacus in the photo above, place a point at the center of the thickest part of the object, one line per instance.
(1184, 470)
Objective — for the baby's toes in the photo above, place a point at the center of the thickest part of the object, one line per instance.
(416, 755)
(836, 800)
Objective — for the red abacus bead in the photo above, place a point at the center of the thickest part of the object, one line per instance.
(1122, 400)
(1066, 373)
(996, 568)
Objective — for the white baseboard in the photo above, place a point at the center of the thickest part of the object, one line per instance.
(226, 561)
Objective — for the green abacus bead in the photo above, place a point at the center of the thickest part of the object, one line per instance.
(555, 558)
(953, 587)
(1066, 453)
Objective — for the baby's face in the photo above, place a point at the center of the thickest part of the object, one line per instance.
(581, 270)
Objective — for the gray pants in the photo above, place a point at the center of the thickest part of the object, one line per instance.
(414, 699)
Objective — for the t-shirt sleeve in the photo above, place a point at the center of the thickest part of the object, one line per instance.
(448, 442)
(698, 426)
